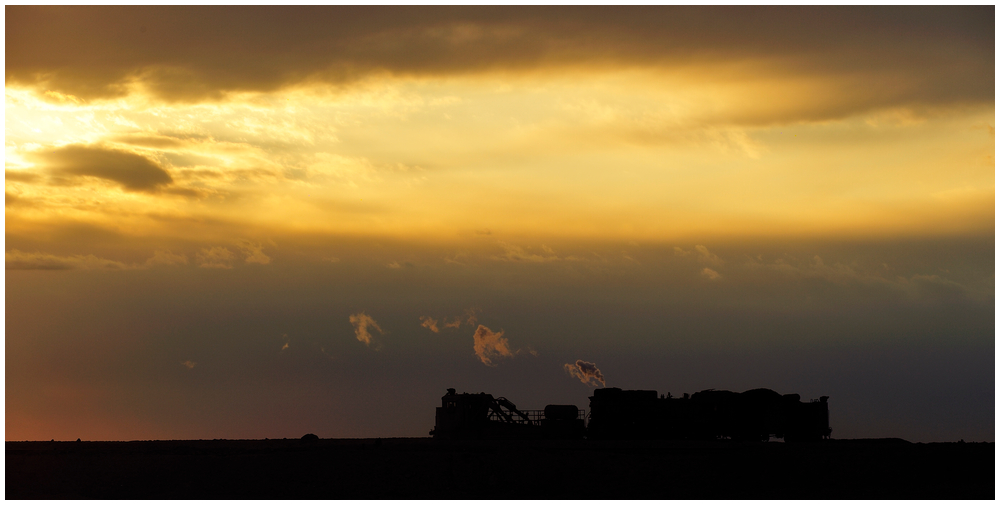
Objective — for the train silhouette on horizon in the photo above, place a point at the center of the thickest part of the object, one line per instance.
(616, 414)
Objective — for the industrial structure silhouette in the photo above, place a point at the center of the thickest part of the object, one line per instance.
(616, 414)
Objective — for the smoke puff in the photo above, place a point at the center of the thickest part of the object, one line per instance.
(587, 372)
(361, 322)
(490, 346)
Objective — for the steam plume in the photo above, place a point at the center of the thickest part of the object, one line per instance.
(490, 346)
(587, 372)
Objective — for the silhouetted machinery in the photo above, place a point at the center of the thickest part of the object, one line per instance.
(757, 414)
(480, 415)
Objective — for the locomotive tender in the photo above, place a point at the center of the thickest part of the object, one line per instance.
(757, 414)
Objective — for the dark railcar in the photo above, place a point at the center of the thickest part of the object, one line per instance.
(757, 414)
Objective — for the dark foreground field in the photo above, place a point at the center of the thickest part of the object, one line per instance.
(424, 468)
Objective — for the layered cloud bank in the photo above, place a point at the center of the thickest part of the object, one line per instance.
(626, 123)
(85, 52)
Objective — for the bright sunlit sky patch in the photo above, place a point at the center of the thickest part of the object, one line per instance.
(624, 154)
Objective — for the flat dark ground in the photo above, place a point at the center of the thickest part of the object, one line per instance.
(411, 468)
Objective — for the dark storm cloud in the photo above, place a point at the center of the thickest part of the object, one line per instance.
(897, 54)
(134, 172)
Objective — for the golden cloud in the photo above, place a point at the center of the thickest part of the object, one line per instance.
(362, 322)
(490, 346)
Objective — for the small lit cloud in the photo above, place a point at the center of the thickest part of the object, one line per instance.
(490, 346)
(253, 252)
(454, 324)
(362, 322)
(705, 253)
(710, 274)
(429, 323)
(587, 372)
(470, 315)
(215, 257)
(166, 258)
(518, 254)
(394, 265)
(455, 259)
(188, 364)
(701, 254)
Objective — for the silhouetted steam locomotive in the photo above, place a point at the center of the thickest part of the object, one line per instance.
(757, 414)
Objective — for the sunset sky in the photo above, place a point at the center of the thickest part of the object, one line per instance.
(250, 222)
